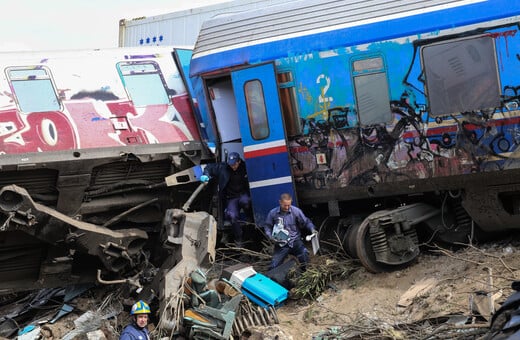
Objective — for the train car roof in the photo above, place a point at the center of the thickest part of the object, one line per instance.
(133, 52)
(307, 26)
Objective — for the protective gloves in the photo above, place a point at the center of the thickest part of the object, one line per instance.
(204, 178)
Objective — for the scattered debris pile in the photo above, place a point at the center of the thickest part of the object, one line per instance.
(432, 329)
(320, 276)
(228, 304)
(505, 323)
(448, 294)
(223, 307)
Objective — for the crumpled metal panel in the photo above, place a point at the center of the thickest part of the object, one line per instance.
(115, 249)
(194, 236)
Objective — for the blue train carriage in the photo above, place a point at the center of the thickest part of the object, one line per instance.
(389, 121)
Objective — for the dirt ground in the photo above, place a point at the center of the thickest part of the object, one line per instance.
(463, 286)
(443, 283)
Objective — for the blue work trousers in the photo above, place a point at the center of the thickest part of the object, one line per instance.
(232, 212)
(298, 249)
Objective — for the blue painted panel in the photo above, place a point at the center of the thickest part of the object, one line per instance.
(275, 166)
(184, 59)
(265, 74)
(413, 145)
(401, 27)
(267, 167)
(270, 196)
(263, 291)
(201, 107)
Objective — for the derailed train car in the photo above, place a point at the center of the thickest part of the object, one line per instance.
(99, 155)
(389, 121)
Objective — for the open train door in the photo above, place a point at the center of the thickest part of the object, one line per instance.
(263, 137)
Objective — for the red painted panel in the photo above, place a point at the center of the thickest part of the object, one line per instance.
(265, 152)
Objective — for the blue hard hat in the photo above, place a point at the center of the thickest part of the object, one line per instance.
(140, 307)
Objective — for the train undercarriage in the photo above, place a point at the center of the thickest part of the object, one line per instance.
(389, 236)
(112, 218)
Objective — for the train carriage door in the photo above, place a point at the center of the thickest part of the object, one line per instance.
(263, 138)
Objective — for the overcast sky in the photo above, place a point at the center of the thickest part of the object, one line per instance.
(75, 24)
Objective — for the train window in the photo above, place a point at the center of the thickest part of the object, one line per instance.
(256, 110)
(461, 75)
(33, 89)
(288, 100)
(370, 64)
(372, 91)
(144, 83)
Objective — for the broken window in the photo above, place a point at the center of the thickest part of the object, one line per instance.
(461, 75)
(144, 83)
(33, 89)
(372, 91)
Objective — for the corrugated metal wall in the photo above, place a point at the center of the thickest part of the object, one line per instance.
(300, 16)
(181, 27)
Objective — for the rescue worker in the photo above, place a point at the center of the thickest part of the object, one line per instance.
(137, 329)
(233, 191)
(283, 225)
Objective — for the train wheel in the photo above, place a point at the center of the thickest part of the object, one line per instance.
(364, 251)
(350, 237)
(338, 234)
(343, 230)
(328, 235)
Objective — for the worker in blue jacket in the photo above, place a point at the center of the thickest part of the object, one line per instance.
(284, 225)
(233, 190)
(137, 329)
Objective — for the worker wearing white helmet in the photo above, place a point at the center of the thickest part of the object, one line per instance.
(137, 329)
